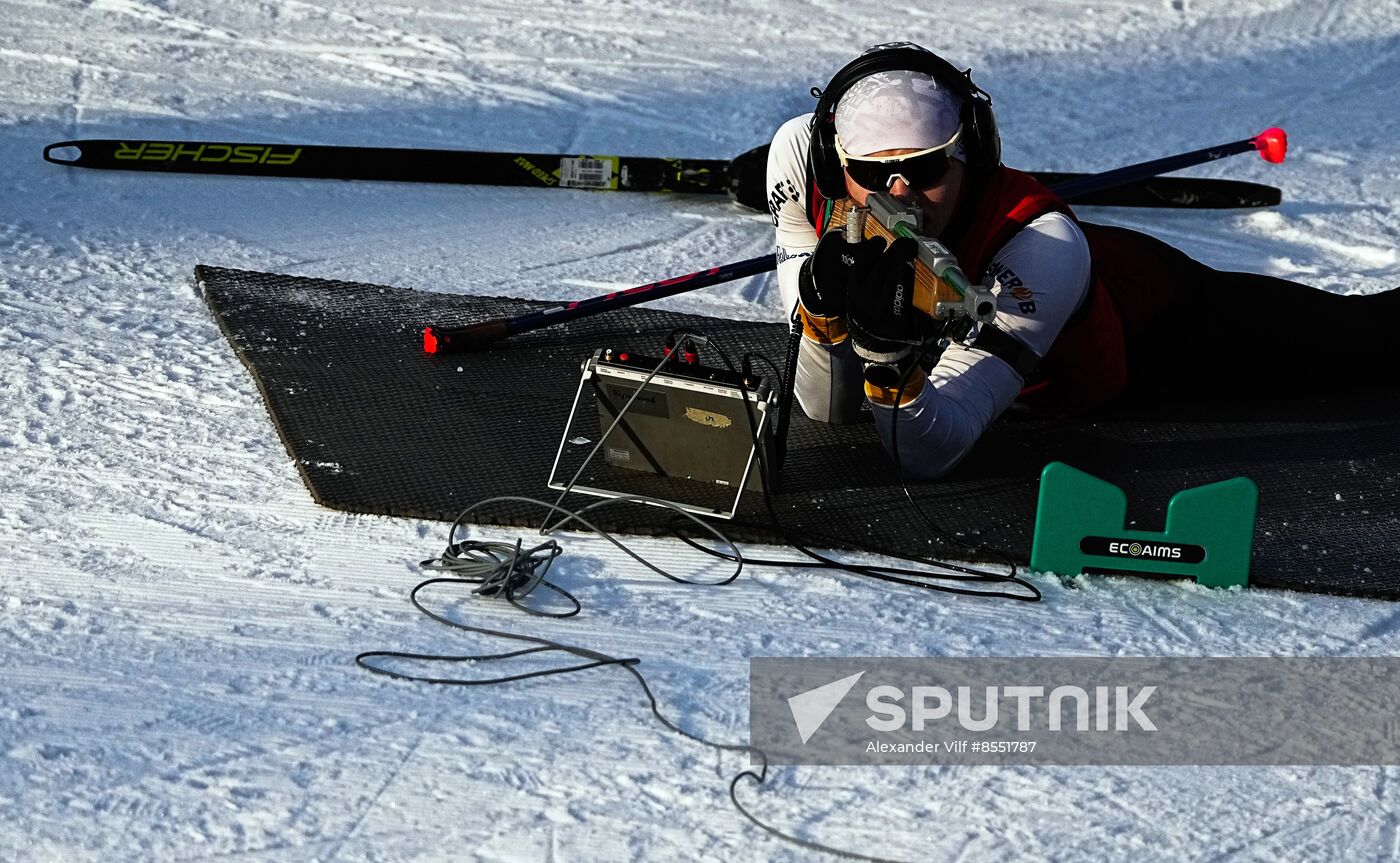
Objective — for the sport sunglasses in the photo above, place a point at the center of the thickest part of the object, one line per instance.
(918, 170)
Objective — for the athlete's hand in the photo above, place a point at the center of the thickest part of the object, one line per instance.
(835, 268)
(884, 325)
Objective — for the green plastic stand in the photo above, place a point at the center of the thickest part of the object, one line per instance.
(1079, 529)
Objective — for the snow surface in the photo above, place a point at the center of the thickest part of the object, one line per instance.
(177, 618)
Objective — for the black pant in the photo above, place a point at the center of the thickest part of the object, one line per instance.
(1190, 329)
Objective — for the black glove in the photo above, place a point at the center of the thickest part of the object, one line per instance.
(836, 266)
(885, 327)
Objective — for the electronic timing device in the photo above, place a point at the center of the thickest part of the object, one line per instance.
(688, 422)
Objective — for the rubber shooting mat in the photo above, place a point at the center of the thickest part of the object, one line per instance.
(375, 425)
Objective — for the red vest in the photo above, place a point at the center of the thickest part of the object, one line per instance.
(1087, 364)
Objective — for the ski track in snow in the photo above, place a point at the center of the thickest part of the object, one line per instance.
(178, 617)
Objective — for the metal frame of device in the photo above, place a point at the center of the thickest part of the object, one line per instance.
(762, 397)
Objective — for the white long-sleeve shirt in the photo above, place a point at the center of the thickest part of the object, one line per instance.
(1039, 277)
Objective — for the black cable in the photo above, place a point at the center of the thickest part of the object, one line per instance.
(832, 541)
(514, 573)
(503, 570)
(747, 359)
(508, 563)
(893, 575)
(928, 353)
(957, 572)
(545, 645)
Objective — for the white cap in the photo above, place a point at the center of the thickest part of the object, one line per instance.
(898, 109)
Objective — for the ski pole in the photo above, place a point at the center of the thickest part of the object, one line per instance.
(438, 340)
(1271, 144)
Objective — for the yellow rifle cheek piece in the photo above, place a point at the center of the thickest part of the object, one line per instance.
(927, 296)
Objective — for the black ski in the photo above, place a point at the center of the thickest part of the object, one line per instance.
(408, 165)
(742, 178)
(1185, 193)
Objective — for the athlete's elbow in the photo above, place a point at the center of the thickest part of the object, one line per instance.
(926, 458)
(925, 469)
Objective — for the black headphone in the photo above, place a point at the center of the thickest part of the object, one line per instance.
(981, 141)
